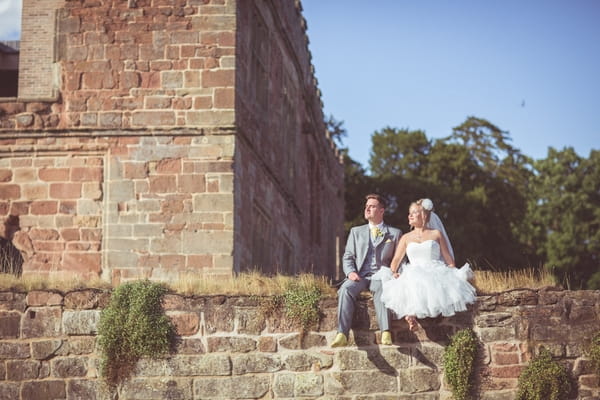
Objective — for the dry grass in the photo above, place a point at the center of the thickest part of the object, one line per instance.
(530, 278)
(62, 284)
(249, 284)
(255, 284)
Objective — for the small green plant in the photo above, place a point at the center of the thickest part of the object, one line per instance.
(594, 352)
(299, 302)
(459, 360)
(543, 379)
(133, 325)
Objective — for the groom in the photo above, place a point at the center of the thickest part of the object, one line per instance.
(369, 248)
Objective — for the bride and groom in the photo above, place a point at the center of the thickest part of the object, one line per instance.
(427, 285)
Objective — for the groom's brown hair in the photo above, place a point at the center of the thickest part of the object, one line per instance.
(376, 197)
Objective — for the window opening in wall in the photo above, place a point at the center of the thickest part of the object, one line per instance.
(10, 36)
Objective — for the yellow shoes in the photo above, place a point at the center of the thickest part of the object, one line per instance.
(386, 338)
(340, 340)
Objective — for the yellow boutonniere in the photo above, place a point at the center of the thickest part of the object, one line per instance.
(376, 232)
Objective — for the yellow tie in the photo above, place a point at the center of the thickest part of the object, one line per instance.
(374, 232)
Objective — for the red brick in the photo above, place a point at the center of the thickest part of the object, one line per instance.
(82, 262)
(9, 191)
(92, 80)
(65, 190)
(163, 184)
(48, 246)
(224, 98)
(172, 261)
(182, 103)
(169, 166)
(203, 103)
(5, 175)
(135, 170)
(512, 371)
(218, 38)
(19, 207)
(67, 207)
(191, 184)
(505, 358)
(44, 207)
(43, 234)
(42, 298)
(150, 80)
(91, 234)
(4, 207)
(186, 324)
(173, 205)
(219, 78)
(80, 174)
(200, 261)
(504, 347)
(70, 234)
(54, 174)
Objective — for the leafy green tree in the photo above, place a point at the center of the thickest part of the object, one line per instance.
(475, 177)
(398, 152)
(564, 216)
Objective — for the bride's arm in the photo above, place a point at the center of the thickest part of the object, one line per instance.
(398, 254)
(444, 247)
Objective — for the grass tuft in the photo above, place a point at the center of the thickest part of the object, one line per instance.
(530, 278)
(256, 284)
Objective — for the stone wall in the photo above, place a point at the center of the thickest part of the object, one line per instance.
(228, 349)
(147, 143)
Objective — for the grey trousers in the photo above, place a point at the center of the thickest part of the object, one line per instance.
(347, 295)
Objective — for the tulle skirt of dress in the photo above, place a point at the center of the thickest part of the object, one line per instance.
(429, 290)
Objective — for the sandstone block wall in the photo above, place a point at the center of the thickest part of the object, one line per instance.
(229, 349)
(147, 143)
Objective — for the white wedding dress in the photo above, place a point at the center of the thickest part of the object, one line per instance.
(427, 287)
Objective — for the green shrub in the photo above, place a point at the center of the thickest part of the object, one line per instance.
(594, 352)
(299, 303)
(132, 326)
(543, 379)
(459, 361)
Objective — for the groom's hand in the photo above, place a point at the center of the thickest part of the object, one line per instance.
(353, 276)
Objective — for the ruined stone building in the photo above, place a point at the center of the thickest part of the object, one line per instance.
(157, 138)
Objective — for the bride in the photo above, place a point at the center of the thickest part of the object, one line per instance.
(429, 284)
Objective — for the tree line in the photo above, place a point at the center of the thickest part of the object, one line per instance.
(502, 209)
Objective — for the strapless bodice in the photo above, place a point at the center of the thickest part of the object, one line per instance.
(424, 252)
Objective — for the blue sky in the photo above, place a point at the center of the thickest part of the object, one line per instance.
(10, 19)
(531, 67)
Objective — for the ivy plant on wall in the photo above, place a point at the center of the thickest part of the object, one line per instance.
(544, 379)
(594, 352)
(133, 325)
(459, 362)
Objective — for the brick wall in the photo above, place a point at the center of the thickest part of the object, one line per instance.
(158, 97)
(38, 73)
(229, 349)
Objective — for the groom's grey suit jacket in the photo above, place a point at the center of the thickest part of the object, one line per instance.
(357, 247)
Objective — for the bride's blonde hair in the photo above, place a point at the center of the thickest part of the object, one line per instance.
(426, 211)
